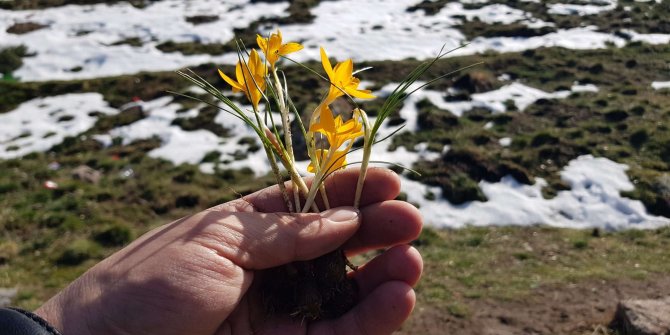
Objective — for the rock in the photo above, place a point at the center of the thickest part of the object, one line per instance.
(21, 28)
(476, 82)
(86, 173)
(6, 296)
(643, 317)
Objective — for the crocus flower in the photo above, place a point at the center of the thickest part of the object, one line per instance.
(250, 78)
(336, 161)
(273, 48)
(334, 129)
(342, 79)
(340, 135)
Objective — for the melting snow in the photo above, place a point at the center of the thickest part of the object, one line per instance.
(91, 32)
(39, 124)
(577, 87)
(495, 101)
(83, 36)
(657, 85)
(594, 7)
(593, 201)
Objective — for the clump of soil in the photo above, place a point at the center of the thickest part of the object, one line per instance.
(21, 28)
(315, 289)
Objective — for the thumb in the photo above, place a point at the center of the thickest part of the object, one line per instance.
(263, 240)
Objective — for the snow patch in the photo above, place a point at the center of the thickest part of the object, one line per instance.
(592, 201)
(658, 85)
(39, 124)
(592, 8)
(91, 33)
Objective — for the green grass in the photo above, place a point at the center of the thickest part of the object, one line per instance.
(49, 237)
(504, 263)
(625, 121)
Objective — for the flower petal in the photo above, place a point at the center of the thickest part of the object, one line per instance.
(262, 43)
(361, 94)
(289, 48)
(236, 86)
(326, 65)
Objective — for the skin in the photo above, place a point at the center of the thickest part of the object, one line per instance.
(199, 275)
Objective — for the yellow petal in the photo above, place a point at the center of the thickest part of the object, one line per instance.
(345, 69)
(337, 161)
(319, 154)
(239, 74)
(327, 120)
(274, 43)
(262, 43)
(326, 65)
(361, 94)
(289, 48)
(230, 81)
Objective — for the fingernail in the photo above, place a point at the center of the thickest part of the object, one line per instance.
(341, 214)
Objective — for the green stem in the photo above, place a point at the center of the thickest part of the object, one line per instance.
(318, 181)
(367, 150)
(280, 181)
(283, 109)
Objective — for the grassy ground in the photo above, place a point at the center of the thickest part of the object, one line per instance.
(473, 276)
(470, 263)
(49, 237)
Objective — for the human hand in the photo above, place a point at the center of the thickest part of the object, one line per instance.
(197, 274)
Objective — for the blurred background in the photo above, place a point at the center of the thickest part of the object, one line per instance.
(545, 171)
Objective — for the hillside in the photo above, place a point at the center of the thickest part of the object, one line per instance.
(545, 170)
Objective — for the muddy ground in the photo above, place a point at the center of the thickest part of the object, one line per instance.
(580, 308)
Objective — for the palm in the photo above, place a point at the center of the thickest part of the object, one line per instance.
(198, 275)
(385, 223)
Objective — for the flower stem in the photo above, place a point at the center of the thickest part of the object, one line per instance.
(280, 180)
(283, 109)
(367, 150)
(317, 182)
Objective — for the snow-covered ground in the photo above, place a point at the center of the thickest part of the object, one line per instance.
(588, 8)
(593, 200)
(658, 85)
(39, 124)
(79, 41)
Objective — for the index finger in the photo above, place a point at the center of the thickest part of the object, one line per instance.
(380, 185)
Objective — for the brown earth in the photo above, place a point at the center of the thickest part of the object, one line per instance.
(580, 308)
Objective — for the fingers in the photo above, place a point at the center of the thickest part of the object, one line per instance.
(400, 263)
(380, 184)
(380, 313)
(263, 240)
(386, 283)
(386, 224)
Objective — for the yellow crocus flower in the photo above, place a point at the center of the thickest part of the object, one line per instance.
(340, 135)
(342, 79)
(273, 48)
(334, 129)
(336, 161)
(250, 78)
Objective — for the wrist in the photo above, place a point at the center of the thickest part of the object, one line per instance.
(16, 321)
(70, 311)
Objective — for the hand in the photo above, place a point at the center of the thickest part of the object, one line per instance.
(195, 275)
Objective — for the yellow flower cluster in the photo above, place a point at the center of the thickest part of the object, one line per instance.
(251, 77)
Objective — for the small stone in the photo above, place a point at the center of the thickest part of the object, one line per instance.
(643, 317)
(6, 296)
(87, 174)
